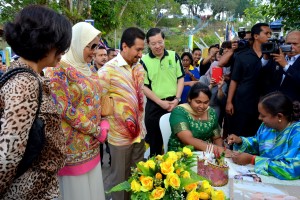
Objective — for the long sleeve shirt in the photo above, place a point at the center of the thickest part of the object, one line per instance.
(278, 152)
(77, 98)
(124, 84)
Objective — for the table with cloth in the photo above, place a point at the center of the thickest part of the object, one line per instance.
(235, 169)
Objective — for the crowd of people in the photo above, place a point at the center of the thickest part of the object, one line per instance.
(87, 94)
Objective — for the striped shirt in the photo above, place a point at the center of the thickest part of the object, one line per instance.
(125, 85)
(278, 151)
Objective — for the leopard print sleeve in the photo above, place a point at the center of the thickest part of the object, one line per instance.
(19, 100)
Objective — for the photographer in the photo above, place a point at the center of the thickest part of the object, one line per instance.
(283, 71)
(206, 62)
(244, 89)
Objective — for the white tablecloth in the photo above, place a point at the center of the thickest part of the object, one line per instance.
(235, 169)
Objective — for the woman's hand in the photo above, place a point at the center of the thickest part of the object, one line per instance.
(221, 82)
(212, 83)
(233, 139)
(241, 158)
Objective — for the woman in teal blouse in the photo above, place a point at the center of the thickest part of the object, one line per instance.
(275, 149)
(195, 123)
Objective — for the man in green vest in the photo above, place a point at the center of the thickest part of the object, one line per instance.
(163, 85)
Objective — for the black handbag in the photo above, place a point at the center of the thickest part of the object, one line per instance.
(36, 137)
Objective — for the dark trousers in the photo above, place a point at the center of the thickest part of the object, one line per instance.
(153, 112)
(123, 158)
(107, 151)
(244, 124)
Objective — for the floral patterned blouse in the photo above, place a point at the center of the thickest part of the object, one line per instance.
(77, 98)
(181, 120)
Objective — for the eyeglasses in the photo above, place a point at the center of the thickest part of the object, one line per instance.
(160, 43)
(93, 47)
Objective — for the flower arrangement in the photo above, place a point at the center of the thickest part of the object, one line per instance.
(213, 167)
(169, 177)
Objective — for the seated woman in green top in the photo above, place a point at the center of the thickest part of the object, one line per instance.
(195, 123)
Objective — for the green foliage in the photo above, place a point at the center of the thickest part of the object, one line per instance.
(122, 186)
(254, 13)
(105, 15)
(242, 5)
(288, 10)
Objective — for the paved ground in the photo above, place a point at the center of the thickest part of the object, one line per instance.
(106, 171)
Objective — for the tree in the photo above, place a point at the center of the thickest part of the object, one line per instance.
(105, 15)
(242, 5)
(254, 13)
(223, 6)
(289, 11)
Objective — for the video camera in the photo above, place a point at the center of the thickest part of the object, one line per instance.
(242, 43)
(273, 45)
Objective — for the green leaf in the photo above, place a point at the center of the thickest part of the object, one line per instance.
(120, 187)
(140, 196)
(146, 171)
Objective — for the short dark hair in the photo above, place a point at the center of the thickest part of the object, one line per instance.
(276, 102)
(153, 32)
(188, 54)
(196, 49)
(214, 46)
(110, 50)
(226, 44)
(197, 88)
(101, 47)
(256, 29)
(36, 30)
(129, 36)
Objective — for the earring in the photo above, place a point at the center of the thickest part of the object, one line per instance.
(279, 120)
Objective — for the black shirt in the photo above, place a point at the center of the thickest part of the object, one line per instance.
(246, 72)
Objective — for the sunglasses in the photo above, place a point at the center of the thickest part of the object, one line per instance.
(93, 47)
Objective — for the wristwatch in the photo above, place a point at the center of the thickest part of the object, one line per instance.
(178, 98)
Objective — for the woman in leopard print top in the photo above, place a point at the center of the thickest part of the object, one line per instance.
(39, 36)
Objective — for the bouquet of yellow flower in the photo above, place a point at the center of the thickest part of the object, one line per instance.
(169, 177)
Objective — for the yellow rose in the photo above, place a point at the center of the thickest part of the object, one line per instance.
(172, 157)
(166, 167)
(186, 174)
(158, 175)
(206, 187)
(157, 193)
(190, 187)
(141, 163)
(187, 151)
(217, 195)
(150, 164)
(178, 171)
(147, 183)
(179, 154)
(172, 180)
(193, 195)
(159, 157)
(135, 186)
(203, 195)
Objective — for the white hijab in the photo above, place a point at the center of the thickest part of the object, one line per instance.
(82, 34)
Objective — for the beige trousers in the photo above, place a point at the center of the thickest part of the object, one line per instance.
(88, 186)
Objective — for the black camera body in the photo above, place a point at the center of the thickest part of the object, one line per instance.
(242, 43)
(273, 46)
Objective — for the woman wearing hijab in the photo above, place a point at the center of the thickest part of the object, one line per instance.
(76, 92)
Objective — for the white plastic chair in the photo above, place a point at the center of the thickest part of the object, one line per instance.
(165, 129)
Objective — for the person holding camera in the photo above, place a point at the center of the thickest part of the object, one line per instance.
(283, 71)
(244, 89)
(206, 62)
